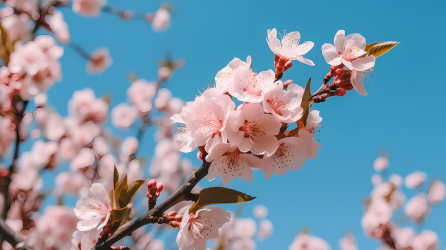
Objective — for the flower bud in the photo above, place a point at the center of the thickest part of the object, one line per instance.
(151, 184)
(340, 92)
(348, 87)
(159, 188)
(288, 64)
(199, 156)
(287, 83)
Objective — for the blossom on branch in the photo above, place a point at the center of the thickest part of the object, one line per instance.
(94, 209)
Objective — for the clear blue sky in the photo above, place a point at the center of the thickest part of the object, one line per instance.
(402, 114)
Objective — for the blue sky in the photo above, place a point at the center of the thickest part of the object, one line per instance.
(402, 114)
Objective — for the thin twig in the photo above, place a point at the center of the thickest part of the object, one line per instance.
(147, 218)
(13, 238)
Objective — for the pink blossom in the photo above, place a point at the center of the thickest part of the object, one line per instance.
(348, 243)
(41, 100)
(140, 94)
(378, 213)
(265, 229)
(161, 20)
(248, 86)
(93, 210)
(396, 180)
(252, 130)
(99, 61)
(245, 228)
(244, 244)
(289, 48)
(17, 26)
(228, 161)
(28, 58)
(44, 154)
(100, 146)
(183, 139)
(106, 165)
(285, 105)
(129, 146)
(90, 8)
(57, 225)
(86, 240)
(380, 164)
(26, 120)
(376, 179)
(389, 193)
(260, 211)
(198, 227)
(123, 116)
(84, 158)
(59, 26)
(417, 208)
(415, 179)
(162, 98)
(427, 240)
(304, 241)
(290, 155)
(85, 107)
(225, 76)
(437, 192)
(404, 237)
(70, 183)
(67, 149)
(164, 73)
(84, 134)
(206, 118)
(134, 171)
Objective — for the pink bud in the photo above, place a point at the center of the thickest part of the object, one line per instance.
(340, 92)
(288, 64)
(287, 83)
(151, 184)
(149, 17)
(348, 87)
(159, 187)
(199, 156)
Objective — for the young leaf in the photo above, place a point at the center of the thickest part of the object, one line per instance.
(305, 105)
(121, 193)
(111, 194)
(219, 195)
(4, 35)
(132, 77)
(107, 98)
(133, 189)
(380, 48)
(115, 178)
(121, 215)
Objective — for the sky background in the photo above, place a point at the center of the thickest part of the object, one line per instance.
(402, 114)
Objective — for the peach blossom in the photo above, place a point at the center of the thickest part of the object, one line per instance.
(84, 159)
(415, 179)
(427, 240)
(381, 163)
(123, 116)
(260, 211)
(437, 192)
(417, 208)
(99, 61)
(304, 241)
(89, 8)
(140, 94)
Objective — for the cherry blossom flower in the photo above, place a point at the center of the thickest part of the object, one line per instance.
(28, 58)
(100, 146)
(99, 61)
(196, 228)
(245, 228)
(84, 159)
(129, 146)
(378, 213)
(358, 78)
(415, 179)
(304, 241)
(348, 51)
(70, 183)
(291, 154)
(417, 208)
(437, 192)
(426, 240)
(285, 105)
(248, 86)
(265, 229)
(404, 238)
(348, 243)
(244, 244)
(93, 210)
(84, 240)
(88, 7)
(44, 153)
(183, 139)
(206, 118)
(140, 94)
(161, 20)
(123, 116)
(17, 26)
(390, 193)
(252, 130)
(84, 107)
(225, 76)
(289, 48)
(229, 162)
(380, 164)
(59, 26)
(260, 211)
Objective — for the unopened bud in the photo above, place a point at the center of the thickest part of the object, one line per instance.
(287, 83)
(288, 64)
(200, 156)
(159, 188)
(126, 15)
(149, 17)
(339, 72)
(340, 92)
(348, 87)
(164, 73)
(151, 184)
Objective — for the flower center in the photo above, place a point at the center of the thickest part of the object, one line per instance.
(351, 51)
(278, 105)
(253, 130)
(213, 123)
(281, 150)
(254, 87)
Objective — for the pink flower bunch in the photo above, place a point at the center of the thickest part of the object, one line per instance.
(304, 241)
(253, 134)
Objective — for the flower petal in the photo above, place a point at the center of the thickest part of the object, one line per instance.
(360, 40)
(303, 48)
(331, 55)
(364, 63)
(339, 40)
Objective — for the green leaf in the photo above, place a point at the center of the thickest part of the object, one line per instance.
(107, 98)
(305, 105)
(219, 195)
(380, 48)
(121, 215)
(132, 77)
(133, 189)
(121, 193)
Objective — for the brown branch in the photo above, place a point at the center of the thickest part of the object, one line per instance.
(148, 218)
(13, 238)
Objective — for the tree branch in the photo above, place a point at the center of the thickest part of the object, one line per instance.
(147, 218)
(13, 238)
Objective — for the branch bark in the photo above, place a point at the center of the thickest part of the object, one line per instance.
(13, 238)
(147, 218)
